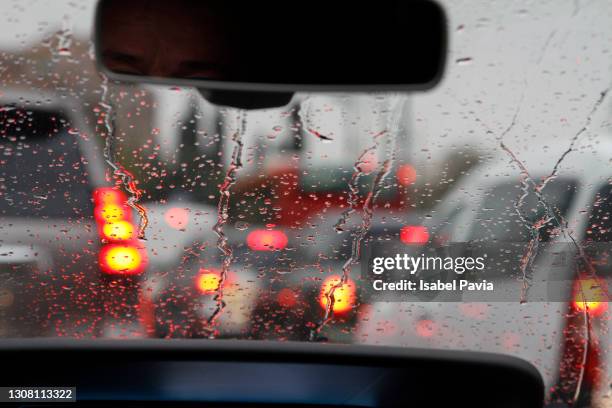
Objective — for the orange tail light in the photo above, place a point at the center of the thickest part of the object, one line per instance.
(590, 295)
(344, 296)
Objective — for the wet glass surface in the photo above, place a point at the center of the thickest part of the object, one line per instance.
(144, 211)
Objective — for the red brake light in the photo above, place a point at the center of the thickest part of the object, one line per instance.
(108, 195)
(120, 253)
(414, 235)
(267, 240)
(113, 215)
(177, 217)
(406, 175)
(286, 298)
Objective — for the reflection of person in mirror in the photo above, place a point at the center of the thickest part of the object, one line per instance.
(169, 39)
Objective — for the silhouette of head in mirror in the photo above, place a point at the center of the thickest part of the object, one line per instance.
(169, 39)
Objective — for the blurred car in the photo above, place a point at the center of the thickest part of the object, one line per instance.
(317, 220)
(50, 169)
(569, 212)
(69, 239)
(20, 290)
(281, 265)
(303, 274)
(179, 293)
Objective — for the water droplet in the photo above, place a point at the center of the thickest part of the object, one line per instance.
(241, 225)
(464, 61)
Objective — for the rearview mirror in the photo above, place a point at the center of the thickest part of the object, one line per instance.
(386, 45)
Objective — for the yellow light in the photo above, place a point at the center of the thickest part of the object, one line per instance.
(124, 259)
(344, 296)
(590, 296)
(208, 282)
(118, 231)
(113, 212)
(595, 308)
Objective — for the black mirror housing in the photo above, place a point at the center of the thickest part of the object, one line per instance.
(386, 46)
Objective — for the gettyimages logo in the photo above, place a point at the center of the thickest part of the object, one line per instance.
(431, 273)
(412, 265)
(476, 271)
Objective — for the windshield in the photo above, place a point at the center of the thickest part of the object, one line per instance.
(144, 211)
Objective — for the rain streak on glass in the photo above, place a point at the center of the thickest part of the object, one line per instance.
(120, 173)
